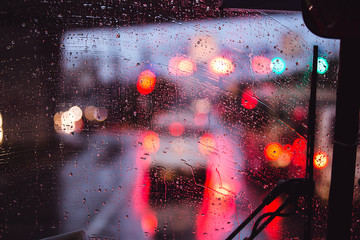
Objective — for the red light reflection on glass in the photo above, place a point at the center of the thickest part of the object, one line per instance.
(149, 222)
(221, 66)
(216, 213)
(146, 82)
(273, 229)
(249, 100)
(261, 65)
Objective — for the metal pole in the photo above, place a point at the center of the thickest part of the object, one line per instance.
(345, 142)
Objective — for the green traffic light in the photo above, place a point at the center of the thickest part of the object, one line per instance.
(278, 65)
(322, 65)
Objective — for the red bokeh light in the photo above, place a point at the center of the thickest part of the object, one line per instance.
(249, 100)
(299, 144)
(146, 82)
(299, 158)
(261, 65)
(176, 129)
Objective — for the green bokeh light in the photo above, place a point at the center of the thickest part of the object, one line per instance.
(278, 65)
(322, 65)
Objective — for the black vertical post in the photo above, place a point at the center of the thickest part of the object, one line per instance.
(345, 142)
(312, 117)
(311, 145)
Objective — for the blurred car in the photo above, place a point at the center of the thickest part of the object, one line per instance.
(194, 169)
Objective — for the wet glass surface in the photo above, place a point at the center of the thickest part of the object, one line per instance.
(146, 126)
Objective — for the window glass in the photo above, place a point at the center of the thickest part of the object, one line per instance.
(159, 128)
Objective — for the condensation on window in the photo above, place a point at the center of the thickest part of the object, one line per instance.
(172, 130)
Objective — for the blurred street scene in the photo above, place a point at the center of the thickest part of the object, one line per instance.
(165, 131)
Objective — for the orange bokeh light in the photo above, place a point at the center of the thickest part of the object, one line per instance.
(221, 66)
(146, 82)
(273, 151)
(151, 142)
(321, 159)
(207, 144)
